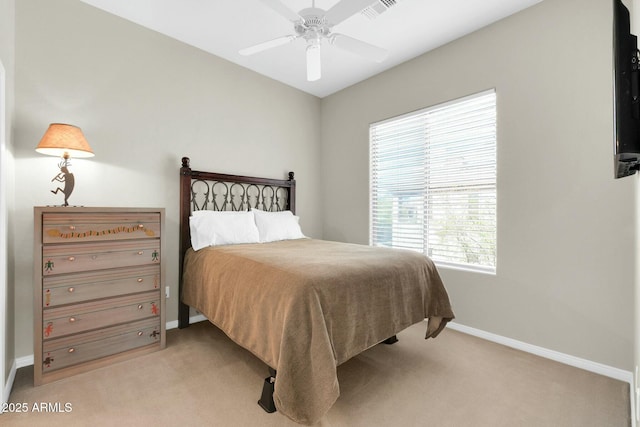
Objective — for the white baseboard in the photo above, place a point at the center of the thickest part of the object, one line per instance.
(9, 384)
(598, 368)
(587, 365)
(193, 319)
(21, 362)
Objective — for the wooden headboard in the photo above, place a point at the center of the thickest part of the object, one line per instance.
(221, 192)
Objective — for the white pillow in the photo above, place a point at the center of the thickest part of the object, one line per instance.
(273, 226)
(211, 228)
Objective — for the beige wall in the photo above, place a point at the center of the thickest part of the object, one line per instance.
(7, 58)
(144, 101)
(565, 273)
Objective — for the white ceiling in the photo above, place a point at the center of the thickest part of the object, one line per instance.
(408, 29)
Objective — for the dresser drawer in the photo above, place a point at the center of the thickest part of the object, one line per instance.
(58, 259)
(66, 320)
(83, 227)
(80, 287)
(80, 348)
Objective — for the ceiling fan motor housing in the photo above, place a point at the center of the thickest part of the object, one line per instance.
(313, 25)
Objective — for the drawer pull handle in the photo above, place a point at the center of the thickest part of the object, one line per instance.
(72, 227)
(140, 252)
(71, 350)
(71, 289)
(140, 280)
(72, 319)
(94, 256)
(139, 333)
(140, 306)
(72, 258)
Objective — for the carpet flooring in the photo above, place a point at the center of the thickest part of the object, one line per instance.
(203, 379)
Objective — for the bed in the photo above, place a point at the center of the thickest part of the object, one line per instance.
(303, 306)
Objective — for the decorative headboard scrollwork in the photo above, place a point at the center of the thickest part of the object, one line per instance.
(222, 192)
(237, 196)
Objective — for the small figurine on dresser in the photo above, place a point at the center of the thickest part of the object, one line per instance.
(68, 179)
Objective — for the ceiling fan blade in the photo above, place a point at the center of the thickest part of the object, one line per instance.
(267, 45)
(359, 47)
(314, 68)
(282, 9)
(345, 9)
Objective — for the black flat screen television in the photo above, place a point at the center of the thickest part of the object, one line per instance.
(626, 91)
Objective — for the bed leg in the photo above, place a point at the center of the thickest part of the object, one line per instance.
(391, 340)
(183, 315)
(266, 400)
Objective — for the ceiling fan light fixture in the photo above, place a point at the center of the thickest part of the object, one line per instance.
(313, 62)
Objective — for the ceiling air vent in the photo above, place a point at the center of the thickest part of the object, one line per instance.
(378, 7)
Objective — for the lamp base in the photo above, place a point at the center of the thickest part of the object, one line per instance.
(67, 179)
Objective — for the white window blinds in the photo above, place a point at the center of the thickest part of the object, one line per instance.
(433, 182)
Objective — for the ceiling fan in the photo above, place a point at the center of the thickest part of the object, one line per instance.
(313, 25)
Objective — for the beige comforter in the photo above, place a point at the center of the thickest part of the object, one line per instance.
(305, 306)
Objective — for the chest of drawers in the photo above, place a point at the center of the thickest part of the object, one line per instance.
(99, 275)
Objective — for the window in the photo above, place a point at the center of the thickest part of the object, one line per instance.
(433, 182)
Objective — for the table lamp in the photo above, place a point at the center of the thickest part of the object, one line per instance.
(65, 141)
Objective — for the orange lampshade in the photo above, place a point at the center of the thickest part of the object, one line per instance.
(64, 140)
